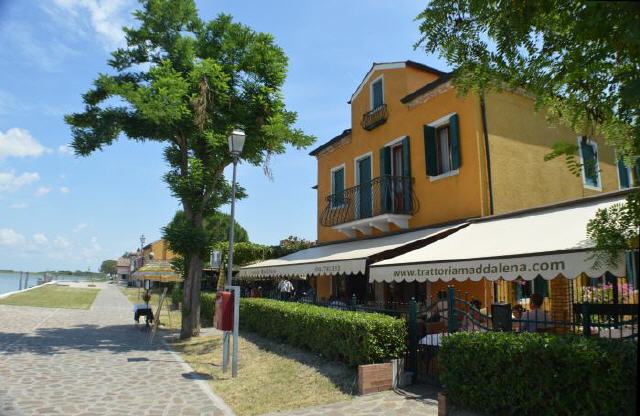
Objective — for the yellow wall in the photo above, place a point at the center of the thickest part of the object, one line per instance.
(519, 137)
(160, 250)
(447, 199)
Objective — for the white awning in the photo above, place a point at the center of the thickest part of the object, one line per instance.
(547, 242)
(342, 258)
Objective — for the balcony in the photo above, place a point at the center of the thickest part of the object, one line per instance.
(375, 117)
(375, 204)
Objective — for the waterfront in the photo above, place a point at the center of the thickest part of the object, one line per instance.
(10, 282)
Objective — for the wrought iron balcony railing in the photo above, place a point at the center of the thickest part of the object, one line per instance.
(375, 117)
(383, 195)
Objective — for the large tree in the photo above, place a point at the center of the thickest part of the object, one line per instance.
(579, 59)
(188, 83)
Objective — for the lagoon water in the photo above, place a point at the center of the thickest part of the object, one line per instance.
(10, 282)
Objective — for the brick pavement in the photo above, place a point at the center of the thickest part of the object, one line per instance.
(93, 362)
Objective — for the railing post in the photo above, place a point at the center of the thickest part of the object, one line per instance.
(354, 300)
(586, 320)
(451, 309)
(413, 337)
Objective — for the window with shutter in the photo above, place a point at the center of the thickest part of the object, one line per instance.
(442, 146)
(541, 286)
(590, 165)
(377, 93)
(337, 187)
(624, 175)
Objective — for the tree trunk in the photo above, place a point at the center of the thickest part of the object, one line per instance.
(191, 305)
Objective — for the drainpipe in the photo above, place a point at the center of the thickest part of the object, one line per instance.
(483, 114)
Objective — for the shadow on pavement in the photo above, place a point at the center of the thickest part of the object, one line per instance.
(50, 341)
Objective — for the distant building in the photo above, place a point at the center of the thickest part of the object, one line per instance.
(124, 268)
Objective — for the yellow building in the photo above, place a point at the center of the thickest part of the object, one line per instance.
(417, 154)
(158, 250)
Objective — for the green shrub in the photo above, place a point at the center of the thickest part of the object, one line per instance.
(530, 374)
(207, 306)
(352, 337)
(177, 295)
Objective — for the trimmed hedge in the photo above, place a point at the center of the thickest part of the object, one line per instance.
(531, 374)
(207, 306)
(352, 337)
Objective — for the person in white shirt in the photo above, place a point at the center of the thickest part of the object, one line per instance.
(286, 288)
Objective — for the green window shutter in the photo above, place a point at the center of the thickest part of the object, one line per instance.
(378, 99)
(430, 150)
(590, 163)
(338, 187)
(385, 180)
(454, 130)
(406, 172)
(623, 173)
(406, 157)
(541, 286)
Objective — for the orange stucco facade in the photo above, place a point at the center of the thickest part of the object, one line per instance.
(510, 175)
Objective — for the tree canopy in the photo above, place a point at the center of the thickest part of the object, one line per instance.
(188, 83)
(580, 60)
(109, 267)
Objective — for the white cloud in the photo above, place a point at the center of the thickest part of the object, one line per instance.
(17, 142)
(9, 237)
(106, 18)
(10, 182)
(48, 54)
(64, 190)
(61, 242)
(18, 205)
(65, 149)
(40, 239)
(42, 191)
(79, 227)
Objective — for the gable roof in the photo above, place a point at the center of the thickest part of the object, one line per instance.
(336, 139)
(378, 66)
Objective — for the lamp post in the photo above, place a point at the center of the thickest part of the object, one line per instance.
(236, 143)
(142, 240)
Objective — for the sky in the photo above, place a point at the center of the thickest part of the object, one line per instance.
(60, 212)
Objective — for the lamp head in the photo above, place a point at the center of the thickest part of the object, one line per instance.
(236, 142)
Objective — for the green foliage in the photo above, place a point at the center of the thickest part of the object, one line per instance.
(580, 59)
(352, 337)
(217, 226)
(207, 306)
(109, 267)
(247, 253)
(188, 83)
(530, 374)
(615, 229)
(177, 294)
(290, 245)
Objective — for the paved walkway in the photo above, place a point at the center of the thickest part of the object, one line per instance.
(419, 401)
(93, 362)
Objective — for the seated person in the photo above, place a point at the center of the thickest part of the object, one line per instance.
(535, 319)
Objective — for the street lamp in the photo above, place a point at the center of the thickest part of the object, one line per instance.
(236, 143)
(142, 240)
